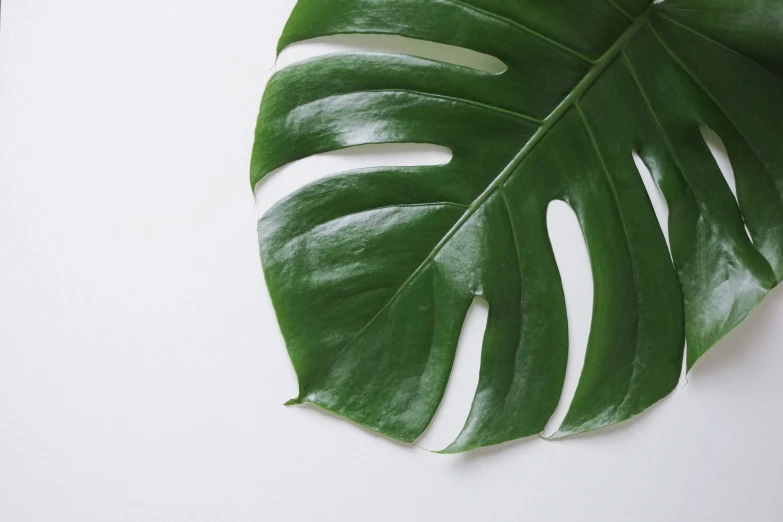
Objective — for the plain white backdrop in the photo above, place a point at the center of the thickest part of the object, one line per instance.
(142, 373)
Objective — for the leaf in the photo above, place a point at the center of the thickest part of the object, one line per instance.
(371, 272)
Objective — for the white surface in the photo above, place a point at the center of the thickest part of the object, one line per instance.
(142, 374)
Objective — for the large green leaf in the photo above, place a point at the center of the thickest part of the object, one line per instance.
(371, 272)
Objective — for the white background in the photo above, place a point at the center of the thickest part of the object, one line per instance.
(142, 373)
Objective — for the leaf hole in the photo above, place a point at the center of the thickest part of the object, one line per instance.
(455, 407)
(721, 155)
(390, 44)
(286, 180)
(573, 262)
(659, 204)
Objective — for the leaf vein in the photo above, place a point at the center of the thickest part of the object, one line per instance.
(715, 42)
(712, 97)
(454, 99)
(696, 196)
(522, 27)
(387, 207)
(626, 236)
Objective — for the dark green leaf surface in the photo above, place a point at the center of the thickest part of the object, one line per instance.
(372, 272)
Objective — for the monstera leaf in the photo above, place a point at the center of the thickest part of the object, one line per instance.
(371, 272)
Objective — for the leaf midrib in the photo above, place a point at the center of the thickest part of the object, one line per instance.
(549, 122)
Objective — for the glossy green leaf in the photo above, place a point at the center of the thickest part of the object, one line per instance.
(371, 272)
